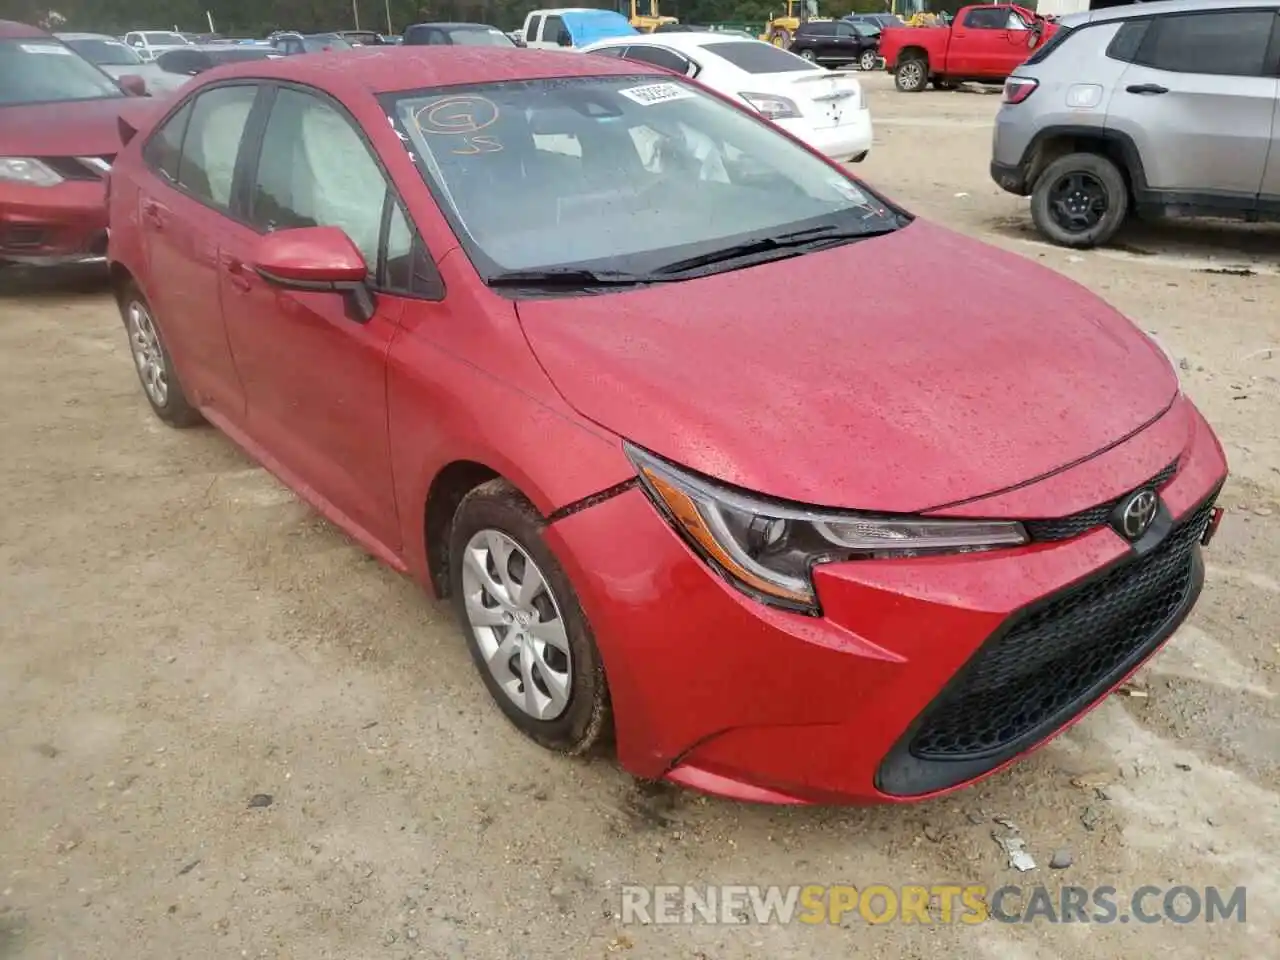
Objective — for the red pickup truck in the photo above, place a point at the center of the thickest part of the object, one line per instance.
(984, 43)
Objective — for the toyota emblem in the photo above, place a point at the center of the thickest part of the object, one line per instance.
(1136, 514)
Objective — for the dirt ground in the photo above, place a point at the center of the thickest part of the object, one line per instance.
(179, 634)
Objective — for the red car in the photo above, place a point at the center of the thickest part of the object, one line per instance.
(59, 132)
(543, 331)
(984, 43)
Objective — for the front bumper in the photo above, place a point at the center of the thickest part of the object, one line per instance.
(716, 691)
(66, 223)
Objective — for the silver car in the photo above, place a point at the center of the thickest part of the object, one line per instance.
(1166, 109)
(111, 55)
(175, 68)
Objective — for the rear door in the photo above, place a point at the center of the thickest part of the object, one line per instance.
(314, 378)
(184, 209)
(1199, 100)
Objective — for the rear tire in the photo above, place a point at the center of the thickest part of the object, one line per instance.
(911, 75)
(153, 364)
(1080, 200)
(808, 55)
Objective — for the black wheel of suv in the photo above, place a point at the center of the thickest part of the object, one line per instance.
(524, 625)
(1080, 200)
(911, 75)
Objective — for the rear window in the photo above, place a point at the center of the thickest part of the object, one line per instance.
(165, 39)
(1053, 43)
(241, 54)
(756, 56)
(105, 53)
(480, 37)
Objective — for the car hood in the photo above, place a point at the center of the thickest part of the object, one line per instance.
(899, 373)
(79, 128)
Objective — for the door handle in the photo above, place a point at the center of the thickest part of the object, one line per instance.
(151, 212)
(237, 275)
(1146, 88)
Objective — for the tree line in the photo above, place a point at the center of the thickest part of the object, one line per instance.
(257, 18)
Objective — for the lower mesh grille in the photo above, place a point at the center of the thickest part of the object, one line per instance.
(1063, 654)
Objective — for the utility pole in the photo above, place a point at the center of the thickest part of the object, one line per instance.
(386, 4)
(355, 12)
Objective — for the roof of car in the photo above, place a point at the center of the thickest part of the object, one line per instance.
(1159, 7)
(387, 69)
(12, 30)
(89, 36)
(450, 24)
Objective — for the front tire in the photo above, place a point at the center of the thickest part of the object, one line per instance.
(867, 60)
(808, 55)
(1080, 200)
(524, 625)
(911, 75)
(154, 365)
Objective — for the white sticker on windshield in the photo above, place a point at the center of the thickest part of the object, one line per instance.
(54, 48)
(652, 93)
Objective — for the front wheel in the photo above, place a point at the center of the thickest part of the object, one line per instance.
(781, 38)
(808, 55)
(867, 61)
(912, 75)
(1080, 200)
(526, 630)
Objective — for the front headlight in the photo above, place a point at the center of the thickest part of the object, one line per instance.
(29, 171)
(768, 549)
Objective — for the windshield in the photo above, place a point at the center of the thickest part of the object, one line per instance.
(480, 38)
(328, 41)
(45, 71)
(105, 53)
(165, 39)
(626, 174)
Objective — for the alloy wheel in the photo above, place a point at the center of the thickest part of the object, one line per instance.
(1078, 201)
(868, 60)
(911, 75)
(807, 55)
(516, 621)
(145, 343)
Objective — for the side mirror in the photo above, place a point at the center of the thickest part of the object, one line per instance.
(133, 85)
(563, 39)
(317, 259)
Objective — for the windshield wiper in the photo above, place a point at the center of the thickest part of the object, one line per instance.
(810, 237)
(571, 277)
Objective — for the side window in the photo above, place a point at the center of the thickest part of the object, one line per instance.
(659, 57)
(1223, 44)
(438, 38)
(315, 171)
(164, 149)
(531, 30)
(407, 267)
(212, 143)
(986, 19)
(1128, 39)
(1016, 22)
(610, 51)
(552, 26)
(846, 30)
(822, 29)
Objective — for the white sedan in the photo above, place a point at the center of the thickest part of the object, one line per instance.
(824, 108)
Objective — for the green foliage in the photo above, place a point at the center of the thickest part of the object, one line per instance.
(256, 18)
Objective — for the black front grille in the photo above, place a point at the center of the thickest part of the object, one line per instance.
(22, 238)
(78, 168)
(1064, 528)
(1048, 665)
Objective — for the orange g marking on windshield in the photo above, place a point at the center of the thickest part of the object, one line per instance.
(461, 115)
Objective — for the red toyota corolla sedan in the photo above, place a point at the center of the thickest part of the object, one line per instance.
(553, 333)
(59, 132)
